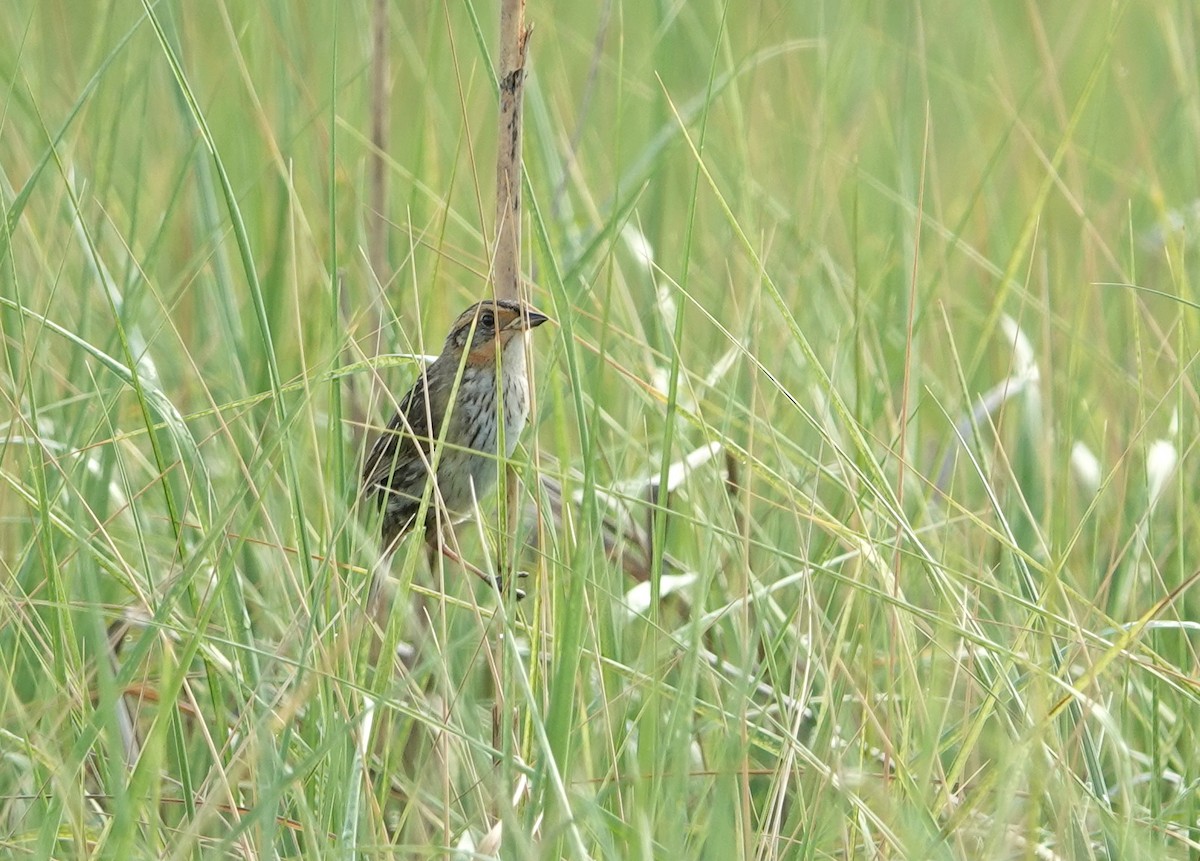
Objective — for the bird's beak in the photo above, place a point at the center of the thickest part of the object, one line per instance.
(531, 319)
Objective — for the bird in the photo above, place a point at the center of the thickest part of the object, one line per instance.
(458, 441)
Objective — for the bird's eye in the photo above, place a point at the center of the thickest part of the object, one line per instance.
(487, 320)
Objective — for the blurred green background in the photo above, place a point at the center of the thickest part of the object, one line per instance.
(916, 275)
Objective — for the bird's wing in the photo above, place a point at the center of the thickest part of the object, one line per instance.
(404, 445)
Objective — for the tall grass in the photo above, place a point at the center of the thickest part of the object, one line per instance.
(911, 284)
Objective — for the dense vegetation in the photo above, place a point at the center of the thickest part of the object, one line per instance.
(909, 282)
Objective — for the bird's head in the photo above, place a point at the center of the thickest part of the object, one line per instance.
(489, 325)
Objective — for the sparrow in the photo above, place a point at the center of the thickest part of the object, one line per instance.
(485, 355)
